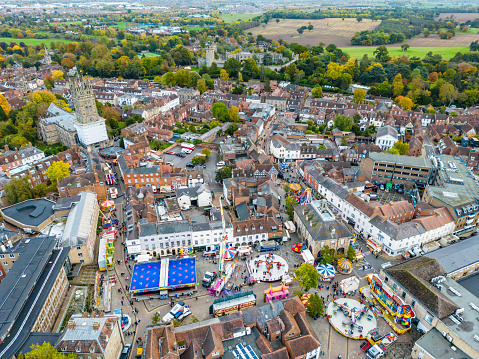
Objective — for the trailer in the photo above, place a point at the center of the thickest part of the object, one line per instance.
(233, 304)
(307, 256)
(268, 246)
(187, 146)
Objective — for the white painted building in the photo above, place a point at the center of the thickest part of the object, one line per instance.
(284, 151)
(386, 137)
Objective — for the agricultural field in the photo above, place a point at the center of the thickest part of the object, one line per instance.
(446, 52)
(330, 31)
(235, 17)
(197, 28)
(33, 42)
(433, 40)
(458, 16)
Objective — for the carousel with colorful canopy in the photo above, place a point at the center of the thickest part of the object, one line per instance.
(107, 205)
(344, 266)
(326, 271)
(305, 197)
(295, 187)
(229, 254)
(298, 247)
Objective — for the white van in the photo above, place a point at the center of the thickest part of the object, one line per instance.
(221, 164)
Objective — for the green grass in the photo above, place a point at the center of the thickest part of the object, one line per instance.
(122, 25)
(147, 54)
(446, 52)
(33, 42)
(469, 31)
(197, 28)
(235, 17)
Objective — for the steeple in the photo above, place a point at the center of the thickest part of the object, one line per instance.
(47, 60)
(83, 100)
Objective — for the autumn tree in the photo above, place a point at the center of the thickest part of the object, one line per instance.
(405, 102)
(359, 96)
(327, 255)
(224, 74)
(45, 351)
(4, 104)
(399, 148)
(18, 190)
(201, 85)
(398, 85)
(220, 111)
(317, 92)
(233, 114)
(58, 170)
(351, 253)
(307, 276)
(206, 151)
(315, 306)
(343, 123)
(447, 93)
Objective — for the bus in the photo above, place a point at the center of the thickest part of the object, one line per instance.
(233, 304)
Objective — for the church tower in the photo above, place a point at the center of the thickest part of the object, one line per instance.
(47, 60)
(210, 54)
(91, 128)
(83, 100)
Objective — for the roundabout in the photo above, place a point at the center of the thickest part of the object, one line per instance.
(351, 318)
(268, 267)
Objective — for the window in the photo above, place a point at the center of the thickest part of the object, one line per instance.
(2, 256)
(80, 254)
(428, 318)
(11, 255)
(78, 248)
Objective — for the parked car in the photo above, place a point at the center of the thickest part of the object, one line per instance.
(181, 154)
(169, 152)
(125, 351)
(191, 165)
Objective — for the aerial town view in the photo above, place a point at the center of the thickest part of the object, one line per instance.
(239, 180)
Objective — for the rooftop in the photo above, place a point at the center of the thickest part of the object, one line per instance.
(398, 159)
(30, 213)
(80, 220)
(458, 255)
(25, 289)
(459, 186)
(438, 347)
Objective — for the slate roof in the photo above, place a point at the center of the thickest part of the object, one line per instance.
(415, 276)
(396, 231)
(457, 255)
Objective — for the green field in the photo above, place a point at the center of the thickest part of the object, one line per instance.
(197, 28)
(33, 42)
(147, 54)
(469, 31)
(122, 25)
(235, 17)
(446, 52)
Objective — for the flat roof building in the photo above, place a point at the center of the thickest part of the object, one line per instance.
(32, 292)
(33, 214)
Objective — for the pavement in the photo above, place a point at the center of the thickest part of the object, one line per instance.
(429, 146)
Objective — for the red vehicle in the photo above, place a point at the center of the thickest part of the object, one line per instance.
(169, 152)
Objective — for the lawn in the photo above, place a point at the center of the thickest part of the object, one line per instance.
(446, 52)
(235, 17)
(122, 25)
(197, 28)
(469, 31)
(147, 54)
(33, 42)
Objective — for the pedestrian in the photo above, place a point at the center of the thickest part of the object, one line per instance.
(139, 320)
(122, 303)
(196, 298)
